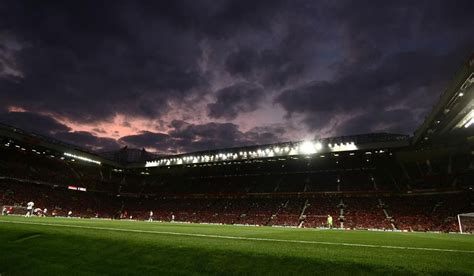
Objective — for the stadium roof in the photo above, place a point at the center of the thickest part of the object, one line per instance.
(452, 119)
(373, 141)
(322, 146)
(41, 141)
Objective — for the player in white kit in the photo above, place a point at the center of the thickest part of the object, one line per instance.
(150, 219)
(29, 209)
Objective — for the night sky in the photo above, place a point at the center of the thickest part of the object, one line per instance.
(180, 76)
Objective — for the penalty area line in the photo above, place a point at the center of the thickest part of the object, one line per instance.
(240, 238)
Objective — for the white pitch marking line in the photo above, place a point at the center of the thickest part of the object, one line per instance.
(241, 238)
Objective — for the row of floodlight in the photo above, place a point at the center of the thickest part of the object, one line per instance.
(83, 158)
(468, 120)
(303, 148)
(10, 143)
(73, 156)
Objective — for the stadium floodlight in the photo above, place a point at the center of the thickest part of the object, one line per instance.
(83, 158)
(318, 146)
(466, 223)
(151, 164)
(307, 147)
(293, 151)
(467, 121)
(343, 146)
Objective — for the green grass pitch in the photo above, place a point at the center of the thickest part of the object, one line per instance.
(60, 246)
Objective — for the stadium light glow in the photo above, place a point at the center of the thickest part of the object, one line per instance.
(467, 121)
(343, 147)
(308, 147)
(293, 149)
(86, 159)
(318, 146)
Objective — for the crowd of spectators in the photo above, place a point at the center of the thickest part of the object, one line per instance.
(412, 213)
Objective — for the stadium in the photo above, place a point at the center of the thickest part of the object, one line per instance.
(234, 137)
(261, 209)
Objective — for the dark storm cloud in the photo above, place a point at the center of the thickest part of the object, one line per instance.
(218, 19)
(404, 82)
(391, 81)
(205, 136)
(45, 125)
(108, 58)
(400, 57)
(393, 121)
(266, 134)
(276, 66)
(146, 139)
(343, 66)
(122, 56)
(37, 123)
(285, 56)
(87, 140)
(235, 99)
(186, 137)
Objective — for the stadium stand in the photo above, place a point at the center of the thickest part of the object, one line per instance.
(358, 195)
